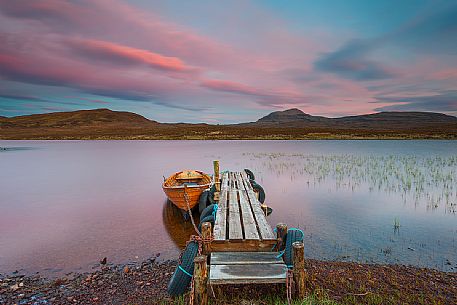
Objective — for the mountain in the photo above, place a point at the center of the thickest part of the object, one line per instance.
(288, 124)
(290, 116)
(80, 118)
(295, 118)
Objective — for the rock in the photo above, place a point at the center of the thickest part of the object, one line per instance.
(103, 261)
(14, 287)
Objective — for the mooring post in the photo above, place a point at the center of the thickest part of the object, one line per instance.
(281, 231)
(200, 281)
(299, 269)
(217, 181)
(206, 234)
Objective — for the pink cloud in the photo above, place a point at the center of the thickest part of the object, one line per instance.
(104, 50)
(444, 74)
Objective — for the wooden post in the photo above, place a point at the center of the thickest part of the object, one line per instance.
(281, 231)
(206, 234)
(200, 281)
(217, 181)
(299, 269)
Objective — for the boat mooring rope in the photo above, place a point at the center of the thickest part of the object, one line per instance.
(199, 239)
(186, 198)
(289, 285)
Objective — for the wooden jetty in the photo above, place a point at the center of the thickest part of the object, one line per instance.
(242, 242)
(240, 224)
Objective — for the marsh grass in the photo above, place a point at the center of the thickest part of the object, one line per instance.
(417, 179)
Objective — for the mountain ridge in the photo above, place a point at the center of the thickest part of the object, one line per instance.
(288, 124)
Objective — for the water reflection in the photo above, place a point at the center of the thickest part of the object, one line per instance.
(178, 229)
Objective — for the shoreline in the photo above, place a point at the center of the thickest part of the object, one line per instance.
(454, 138)
(146, 282)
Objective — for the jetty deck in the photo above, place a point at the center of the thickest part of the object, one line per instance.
(241, 250)
(240, 224)
(242, 247)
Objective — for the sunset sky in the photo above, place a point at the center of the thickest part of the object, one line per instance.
(227, 61)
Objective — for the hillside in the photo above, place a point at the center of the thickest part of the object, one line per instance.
(80, 118)
(288, 124)
(394, 121)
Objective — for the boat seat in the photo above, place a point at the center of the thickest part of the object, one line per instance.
(189, 175)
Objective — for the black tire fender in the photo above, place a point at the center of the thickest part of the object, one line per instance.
(207, 211)
(292, 236)
(203, 201)
(183, 274)
(209, 218)
(250, 174)
(259, 189)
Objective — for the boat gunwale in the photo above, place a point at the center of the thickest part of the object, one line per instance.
(188, 186)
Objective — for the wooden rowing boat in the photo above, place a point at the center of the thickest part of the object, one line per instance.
(190, 182)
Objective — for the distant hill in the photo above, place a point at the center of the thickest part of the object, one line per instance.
(80, 118)
(288, 124)
(295, 118)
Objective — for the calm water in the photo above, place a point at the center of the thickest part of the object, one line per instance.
(64, 205)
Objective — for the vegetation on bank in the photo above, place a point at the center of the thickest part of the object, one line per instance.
(194, 133)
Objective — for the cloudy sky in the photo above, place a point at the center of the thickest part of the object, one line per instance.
(227, 61)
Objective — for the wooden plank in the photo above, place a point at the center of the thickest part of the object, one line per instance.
(240, 258)
(220, 224)
(234, 220)
(264, 228)
(248, 274)
(239, 182)
(232, 181)
(249, 224)
(243, 245)
(245, 179)
(224, 181)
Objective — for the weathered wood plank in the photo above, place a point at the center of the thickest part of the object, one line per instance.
(220, 224)
(246, 274)
(232, 181)
(264, 228)
(249, 224)
(240, 258)
(237, 245)
(234, 220)
(245, 179)
(239, 181)
(224, 180)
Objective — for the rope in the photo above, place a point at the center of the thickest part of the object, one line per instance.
(216, 207)
(289, 285)
(200, 240)
(184, 270)
(186, 198)
(192, 288)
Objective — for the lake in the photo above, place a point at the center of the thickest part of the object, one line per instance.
(64, 205)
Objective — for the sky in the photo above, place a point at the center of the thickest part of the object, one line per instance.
(227, 61)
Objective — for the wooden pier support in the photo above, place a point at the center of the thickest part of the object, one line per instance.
(217, 180)
(206, 235)
(200, 280)
(281, 231)
(299, 269)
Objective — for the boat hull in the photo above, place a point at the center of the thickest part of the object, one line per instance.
(176, 195)
(192, 183)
